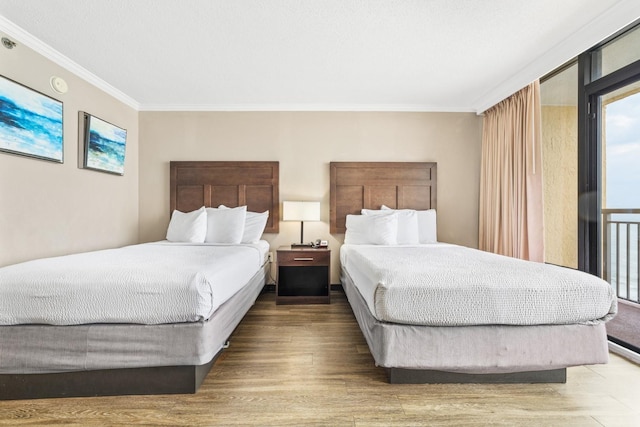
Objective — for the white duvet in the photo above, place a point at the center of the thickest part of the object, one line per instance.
(151, 283)
(449, 285)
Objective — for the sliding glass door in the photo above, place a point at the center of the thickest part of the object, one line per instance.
(618, 117)
(609, 83)
(609, 176)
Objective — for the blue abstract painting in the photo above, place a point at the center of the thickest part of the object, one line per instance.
(105, 145)
(30, 122)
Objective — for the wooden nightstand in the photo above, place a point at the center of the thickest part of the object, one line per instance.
(303, 275)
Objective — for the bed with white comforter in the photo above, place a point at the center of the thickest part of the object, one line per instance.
(432, 312)
(148, 318)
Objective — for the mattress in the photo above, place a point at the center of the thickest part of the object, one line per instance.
(153, 283)
(449, 285)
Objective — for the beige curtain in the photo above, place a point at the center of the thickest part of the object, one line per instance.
(511, 208)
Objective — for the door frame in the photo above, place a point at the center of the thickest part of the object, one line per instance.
(590, 154)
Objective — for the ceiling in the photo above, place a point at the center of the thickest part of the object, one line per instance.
(321, 55)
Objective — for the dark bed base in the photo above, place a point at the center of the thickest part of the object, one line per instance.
(105, 382)
(417, 376)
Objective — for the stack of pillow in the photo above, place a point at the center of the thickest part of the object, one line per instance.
(391, 227)
(217, 225)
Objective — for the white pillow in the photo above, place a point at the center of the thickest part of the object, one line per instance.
(225, 225)
(408, 233)
(371, 230)
(427, 225)
(254, 225)
(188, 226)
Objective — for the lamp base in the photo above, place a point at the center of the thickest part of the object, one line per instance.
(302, 245)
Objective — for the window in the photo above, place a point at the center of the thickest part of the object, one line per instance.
(559, 100)
(615, 54)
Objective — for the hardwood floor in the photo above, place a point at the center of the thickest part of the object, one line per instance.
(309, 364)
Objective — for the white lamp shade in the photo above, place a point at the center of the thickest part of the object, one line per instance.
(301, 211)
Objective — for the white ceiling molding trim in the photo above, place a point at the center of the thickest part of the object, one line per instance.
(625, 12)
(50, 53)
(305, 107)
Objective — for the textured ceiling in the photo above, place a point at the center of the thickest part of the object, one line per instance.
(412, 55)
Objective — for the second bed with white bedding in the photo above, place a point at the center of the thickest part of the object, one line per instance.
(448, 285)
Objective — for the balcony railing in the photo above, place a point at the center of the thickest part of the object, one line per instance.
(622, 251)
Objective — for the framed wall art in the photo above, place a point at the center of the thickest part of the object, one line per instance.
(104, 145)
(30, 122)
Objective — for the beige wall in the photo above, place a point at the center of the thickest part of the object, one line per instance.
(304, 143)
(49, 208)
(560, 163)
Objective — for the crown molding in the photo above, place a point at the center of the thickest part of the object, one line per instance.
(304, 107)
(50, 53)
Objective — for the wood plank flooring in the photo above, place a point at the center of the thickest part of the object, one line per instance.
(309, 365)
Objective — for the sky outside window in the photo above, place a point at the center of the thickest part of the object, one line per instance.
(623, 152)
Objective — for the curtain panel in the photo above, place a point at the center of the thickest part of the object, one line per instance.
(511, 210)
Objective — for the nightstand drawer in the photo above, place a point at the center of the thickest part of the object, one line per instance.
(303, 258)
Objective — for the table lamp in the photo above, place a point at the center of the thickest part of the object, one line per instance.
(300, 211)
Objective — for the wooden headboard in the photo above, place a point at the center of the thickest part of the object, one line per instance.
(210, 184)
(369, 185)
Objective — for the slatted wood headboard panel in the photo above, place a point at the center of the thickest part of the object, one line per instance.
(210, 184)
(369, 185)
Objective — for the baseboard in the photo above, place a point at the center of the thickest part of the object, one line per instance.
(271, 287)
(624, 352)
